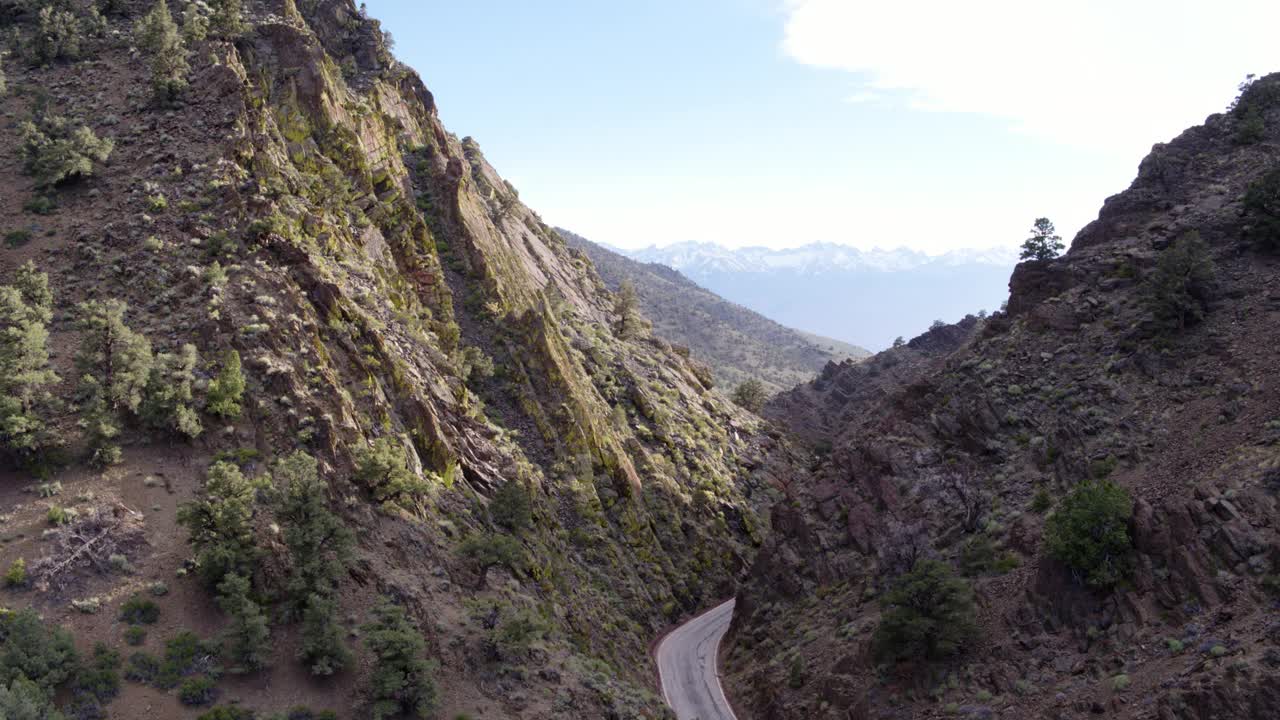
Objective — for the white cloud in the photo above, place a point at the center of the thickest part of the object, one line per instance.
(862, 96)
(1103, 74)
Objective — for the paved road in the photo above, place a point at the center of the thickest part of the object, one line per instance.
(687, 667)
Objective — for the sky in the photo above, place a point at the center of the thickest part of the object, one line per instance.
(932, 124)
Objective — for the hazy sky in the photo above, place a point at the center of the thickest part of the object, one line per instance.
(929, 124)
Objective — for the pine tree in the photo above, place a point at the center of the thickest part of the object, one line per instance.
(1179, 290)
(322, 649)
(25, 375)
(401, 682)
(511, 506)
(928, 614)
(158, 35)
(54, 150)
(59, 35)
(167, 398)
(245, 640)
(227, 389)
(624, 308)
(227, 21)
(195, 26)
(320, 545)
(1044, 243)
(117, 359)
(221, 524)
(750, 394)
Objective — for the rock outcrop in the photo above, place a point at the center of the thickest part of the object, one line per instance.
(953, 446)
(381, 280)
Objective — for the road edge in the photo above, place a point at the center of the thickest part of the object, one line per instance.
(657, 642)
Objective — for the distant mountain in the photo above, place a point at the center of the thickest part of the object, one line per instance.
(866, 297)
(736, 342)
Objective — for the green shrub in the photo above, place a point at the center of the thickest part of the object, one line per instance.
(184, 654)
(384, 469)
(927, 614)
(1041, 502)
(135, 635)
(1175, 646)
(44, 655)
(59, 515)
(1248, 109)
(142, 668)
(488, 551)
(516, 634)
(1178, 292)
(40, 205)
(750, 394)
(198, 691)
(22, 699)
(227, 712)
(100, 677)
(401, 682)
(1262, 208)
(55, 151)
(1089, 532)
(796, 675)
(511, 507)
(245, 641)
(16, 575)
(138, 610)
(227, 389)
(17, 238)
(221, 524)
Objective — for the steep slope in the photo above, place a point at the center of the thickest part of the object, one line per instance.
(737, 343)
(863, 297)
(403, 319)
(1143, 358)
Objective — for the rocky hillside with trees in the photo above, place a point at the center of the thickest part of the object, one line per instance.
(737, 343)
(304, 413)
(1067, 509)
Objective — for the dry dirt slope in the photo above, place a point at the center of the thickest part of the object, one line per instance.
(959, 447)
(302, 205)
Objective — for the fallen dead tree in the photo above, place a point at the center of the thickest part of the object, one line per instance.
(87, 544)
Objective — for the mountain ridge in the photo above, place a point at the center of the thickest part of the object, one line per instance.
(736, 342)
(1022, 515)
(865, 298)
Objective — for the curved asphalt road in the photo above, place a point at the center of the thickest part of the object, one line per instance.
(687, 667)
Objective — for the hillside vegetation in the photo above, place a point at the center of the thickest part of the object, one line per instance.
(1063, 510)
(303, 406)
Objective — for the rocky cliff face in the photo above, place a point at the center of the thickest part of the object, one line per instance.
(959, 446)
(379, 280)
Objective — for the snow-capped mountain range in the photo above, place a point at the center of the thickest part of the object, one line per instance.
(693, 258)
(864, 297)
